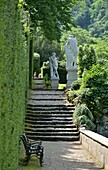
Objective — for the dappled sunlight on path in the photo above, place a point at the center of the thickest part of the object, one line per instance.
(63, 156)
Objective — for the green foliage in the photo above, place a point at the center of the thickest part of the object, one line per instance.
(101, 47)
(93, 16)
(95, 77)
(76, 84)
(52, 17)
(87, 57)
(45, 48)
(62, 86)
(93, 93)
(83, 117)
(71, 95)
(83, 37)
(14, 71)
(45, 73)
(36, 63)
(94, 90)
(45, 69)
(103, 62)
(47, 81)
(62, 72)
(25, 19)
(97, 80)
(31, 53)
(85, 95)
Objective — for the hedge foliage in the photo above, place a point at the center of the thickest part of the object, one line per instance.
(86, 58)
(62, 72)
(13, 83)
(91, 88)
(93, 93)
(96, 79)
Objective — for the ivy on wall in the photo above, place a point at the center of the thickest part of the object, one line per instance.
(14, 62)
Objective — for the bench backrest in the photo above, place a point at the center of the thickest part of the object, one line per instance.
(25, 141)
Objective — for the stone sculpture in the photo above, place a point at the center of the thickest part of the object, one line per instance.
(53, 66)
(71, 50)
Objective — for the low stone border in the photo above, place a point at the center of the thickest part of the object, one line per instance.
(96, 145)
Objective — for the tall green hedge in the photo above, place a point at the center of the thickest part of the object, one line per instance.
(13, 83)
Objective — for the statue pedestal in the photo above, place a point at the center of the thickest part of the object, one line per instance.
(54, 82)
(71, 76)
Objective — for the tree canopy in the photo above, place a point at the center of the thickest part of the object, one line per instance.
(93, 16)
(52, 17)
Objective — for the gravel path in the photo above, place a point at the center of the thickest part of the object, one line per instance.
(63, 156)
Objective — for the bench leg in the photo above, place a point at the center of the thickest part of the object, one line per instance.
(27, 158)
(41, 159)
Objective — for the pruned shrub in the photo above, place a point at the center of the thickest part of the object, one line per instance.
(82, 116)
(76, 84)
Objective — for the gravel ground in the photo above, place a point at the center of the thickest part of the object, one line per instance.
(63, 156)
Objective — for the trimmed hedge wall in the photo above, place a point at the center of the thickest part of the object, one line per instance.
(62, 72)
(14, 60)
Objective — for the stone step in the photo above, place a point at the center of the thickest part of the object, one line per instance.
(52, 110)
(48, 115)
(51, 129)
(47, 92)
(49, 103)
(41, 86)
(49, 110)
(54, 138)
(34, 126)
(44, 98)
(47, 97)
(38, 84)
(49, 118)
(38, 81)
(52, 133)
(48, 122)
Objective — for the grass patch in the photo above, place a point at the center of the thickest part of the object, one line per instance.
(33, 163)
(62, 86)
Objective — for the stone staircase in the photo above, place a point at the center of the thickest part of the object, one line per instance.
(38, 84)
(49, 116)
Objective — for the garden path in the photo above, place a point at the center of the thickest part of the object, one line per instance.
(63, 156)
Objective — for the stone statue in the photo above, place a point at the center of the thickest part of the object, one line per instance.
(53, 66)
(71, 50)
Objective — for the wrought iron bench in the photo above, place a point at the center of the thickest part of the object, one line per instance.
(32, 148)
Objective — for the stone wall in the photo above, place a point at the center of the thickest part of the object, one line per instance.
(96, 145)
